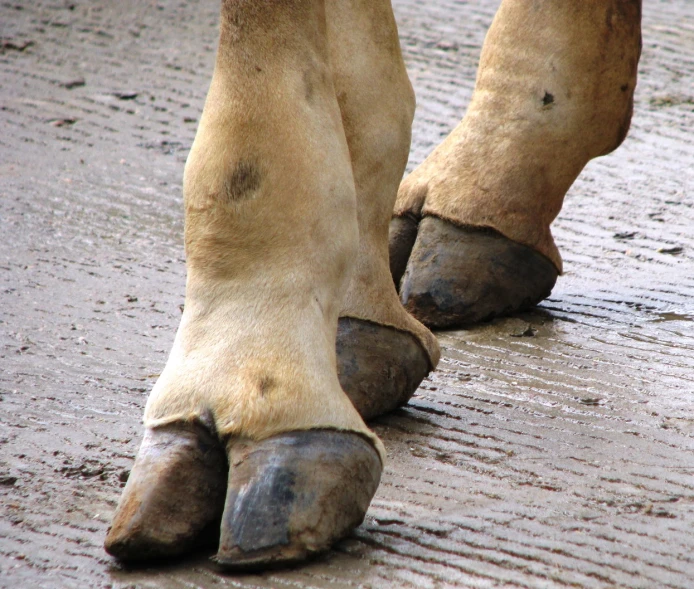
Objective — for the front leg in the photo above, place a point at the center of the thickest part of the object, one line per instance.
(251, 384)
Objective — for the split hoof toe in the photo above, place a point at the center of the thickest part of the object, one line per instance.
(457, 276)
(294, 495)
(174, 494)
(379, 367)
(402, 233)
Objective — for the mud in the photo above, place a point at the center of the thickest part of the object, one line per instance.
(552, 449)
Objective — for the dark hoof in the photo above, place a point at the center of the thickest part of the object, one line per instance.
(294, 495)
(457, 276)
(175, 493)
(379, 367)
(401, 237)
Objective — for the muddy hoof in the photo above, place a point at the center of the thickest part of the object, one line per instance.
(294, 495)
(402, 234)
(457, 276)
(174, 495)
(379, 367)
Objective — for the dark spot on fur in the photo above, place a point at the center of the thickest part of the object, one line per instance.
(265, 384)
(624, 87)
(243, 181)
(547, 99)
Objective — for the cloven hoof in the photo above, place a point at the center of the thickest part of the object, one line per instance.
(457, 276)
(379, 367)
(402, 234)
(174, 497)
(293, 496)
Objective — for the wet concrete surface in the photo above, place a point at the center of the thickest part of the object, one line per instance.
(552, 449)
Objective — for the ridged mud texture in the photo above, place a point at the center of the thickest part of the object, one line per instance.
(175, 492)
(561, 458)
(459, 276)
(293, 496)
(379, 367)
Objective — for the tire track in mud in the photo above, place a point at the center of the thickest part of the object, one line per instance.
(553, 449)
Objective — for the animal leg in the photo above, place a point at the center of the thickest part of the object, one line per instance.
(471, 237)
(251, 384)
(383, 352)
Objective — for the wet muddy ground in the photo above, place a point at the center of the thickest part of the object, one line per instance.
(552, 449)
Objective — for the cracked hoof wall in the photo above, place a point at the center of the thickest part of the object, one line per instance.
(294, 495)
(174, 495)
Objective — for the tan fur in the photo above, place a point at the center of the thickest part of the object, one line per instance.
(377, 105)
(291, 180)
(554, 89)
(271, 236)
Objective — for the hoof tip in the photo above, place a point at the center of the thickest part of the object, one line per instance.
(294, 495)
(379, 367)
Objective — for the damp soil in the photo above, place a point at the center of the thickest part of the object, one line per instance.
(551, 449)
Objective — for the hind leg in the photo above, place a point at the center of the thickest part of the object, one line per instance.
(383, 353)
(471, 237)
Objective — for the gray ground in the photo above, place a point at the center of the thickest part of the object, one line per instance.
(553, 449)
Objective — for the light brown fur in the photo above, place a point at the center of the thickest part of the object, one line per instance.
(377, 105)
(268, 261)
(292, 178)
(554, 89)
